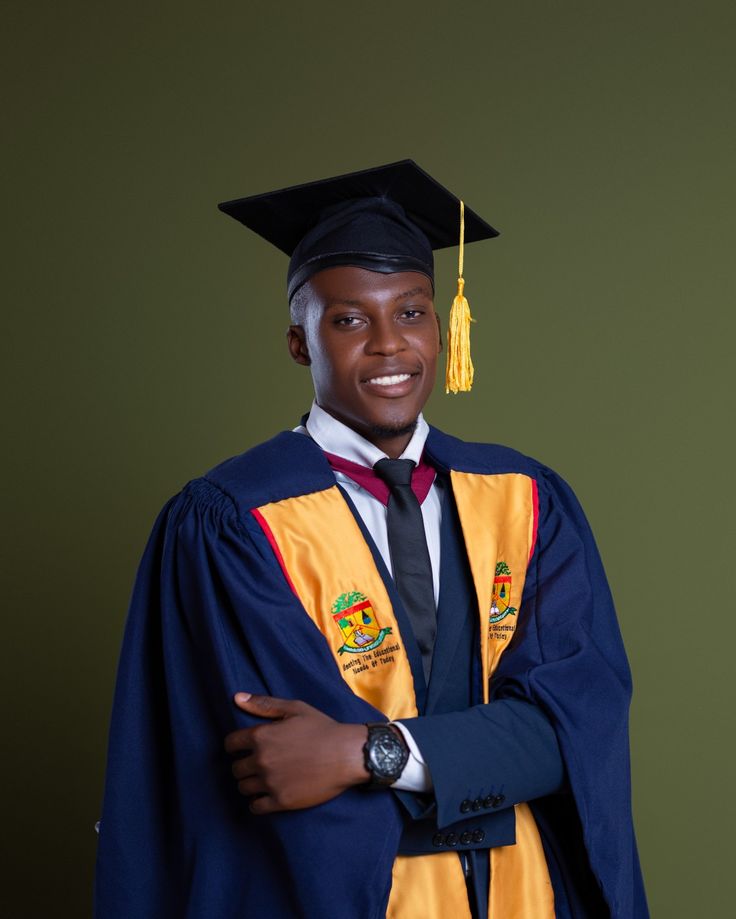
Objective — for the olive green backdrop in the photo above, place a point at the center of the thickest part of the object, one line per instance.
(143, 335)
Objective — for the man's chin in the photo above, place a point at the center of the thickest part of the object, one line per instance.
(389, 431)
(373, 428)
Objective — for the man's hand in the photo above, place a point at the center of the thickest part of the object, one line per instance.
(302, 758)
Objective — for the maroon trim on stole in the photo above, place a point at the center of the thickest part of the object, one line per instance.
(263, 523)
(535, 511)
(422, 477)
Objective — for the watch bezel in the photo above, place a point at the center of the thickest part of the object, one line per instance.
(383, 774)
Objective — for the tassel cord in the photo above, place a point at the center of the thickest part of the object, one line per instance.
(459, 373)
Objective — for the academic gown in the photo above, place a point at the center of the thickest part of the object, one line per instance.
(213, 612)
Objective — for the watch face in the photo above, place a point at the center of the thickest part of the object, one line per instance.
(387, 755)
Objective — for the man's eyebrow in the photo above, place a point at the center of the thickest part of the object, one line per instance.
(413, 293)
(342, 301)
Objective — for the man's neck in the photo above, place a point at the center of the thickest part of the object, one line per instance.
(337, 437)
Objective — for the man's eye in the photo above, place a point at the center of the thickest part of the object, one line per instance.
(348, 322)
(413, 314)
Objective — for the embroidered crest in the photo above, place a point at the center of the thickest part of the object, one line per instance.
(501, 597)
(357, 621)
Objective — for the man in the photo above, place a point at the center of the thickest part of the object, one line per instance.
(407, 641)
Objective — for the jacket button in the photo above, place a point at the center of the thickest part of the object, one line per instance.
(438, 840)
(466, 838)
(465, 806)
(479, 835)
(498, 800)
(488, 800)
(477, 804)
(451, 839)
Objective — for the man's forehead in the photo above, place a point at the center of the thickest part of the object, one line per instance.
(357, 285)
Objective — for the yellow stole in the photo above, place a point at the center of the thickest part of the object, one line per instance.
(331, 569)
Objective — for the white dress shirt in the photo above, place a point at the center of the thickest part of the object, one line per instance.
(335, 437)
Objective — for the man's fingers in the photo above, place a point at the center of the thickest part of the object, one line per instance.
(261, 707)
(239, 740)
(244, 767)
(253, 785)
(264, 805)
(267, 706)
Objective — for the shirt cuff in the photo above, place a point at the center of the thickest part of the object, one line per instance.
(415, 776)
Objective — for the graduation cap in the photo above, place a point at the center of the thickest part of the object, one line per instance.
(385, 219)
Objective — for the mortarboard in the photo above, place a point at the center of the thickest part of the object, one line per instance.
(385, 219)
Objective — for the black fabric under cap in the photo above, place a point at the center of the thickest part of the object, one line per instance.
(387, 219)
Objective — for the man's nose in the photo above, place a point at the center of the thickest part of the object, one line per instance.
(386, 338)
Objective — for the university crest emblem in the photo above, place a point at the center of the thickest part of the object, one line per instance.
(501, 597)
(357, 621)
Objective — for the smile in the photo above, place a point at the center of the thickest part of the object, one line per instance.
(390, 381)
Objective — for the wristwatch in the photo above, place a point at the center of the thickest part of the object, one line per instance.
(385, 754)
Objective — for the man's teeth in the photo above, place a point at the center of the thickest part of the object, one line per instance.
(390, 381)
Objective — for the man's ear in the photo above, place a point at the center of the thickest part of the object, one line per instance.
(296, 342)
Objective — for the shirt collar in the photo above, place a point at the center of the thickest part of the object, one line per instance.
(335, 437)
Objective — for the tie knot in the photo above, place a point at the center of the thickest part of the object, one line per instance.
(394, 471)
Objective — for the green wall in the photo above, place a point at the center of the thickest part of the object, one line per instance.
(143, 334)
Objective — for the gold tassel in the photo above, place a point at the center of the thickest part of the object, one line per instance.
(459, 373)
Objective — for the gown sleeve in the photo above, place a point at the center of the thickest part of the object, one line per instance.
(211, 614)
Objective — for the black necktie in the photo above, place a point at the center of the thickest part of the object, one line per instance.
(407, 544)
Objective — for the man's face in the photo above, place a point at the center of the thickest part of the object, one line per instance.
(371, 341)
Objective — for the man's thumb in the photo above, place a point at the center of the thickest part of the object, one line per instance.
(264, 706)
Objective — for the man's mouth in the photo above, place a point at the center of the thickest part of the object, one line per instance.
(390, 380)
